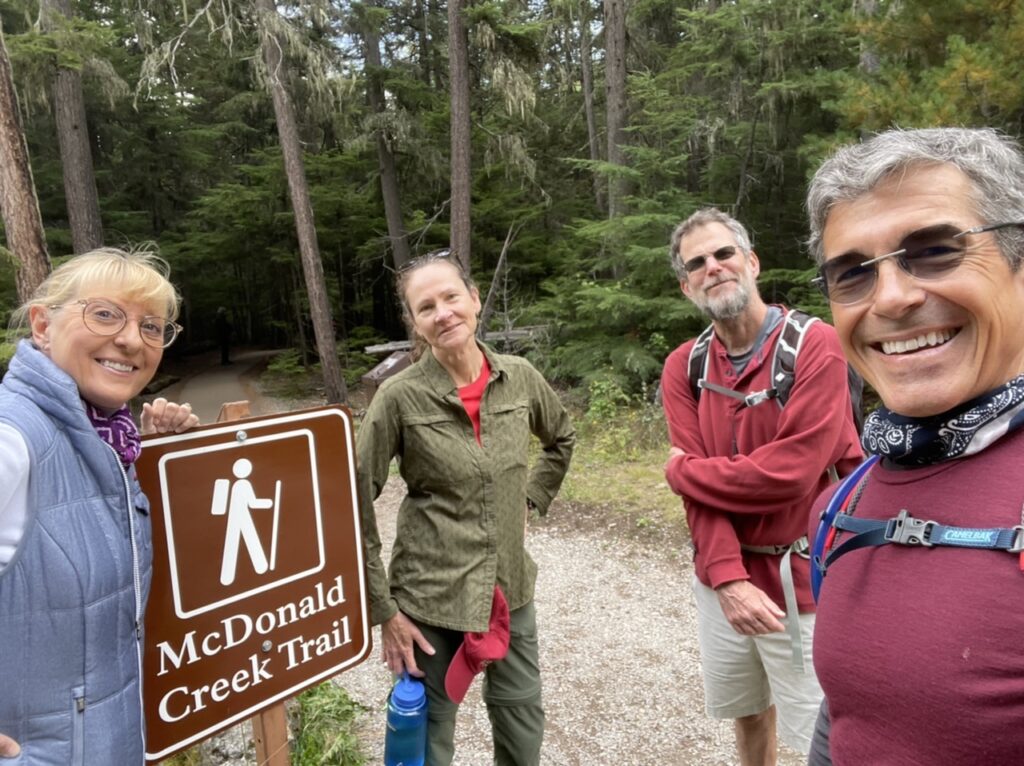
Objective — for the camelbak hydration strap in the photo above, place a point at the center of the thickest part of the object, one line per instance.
(902, 529)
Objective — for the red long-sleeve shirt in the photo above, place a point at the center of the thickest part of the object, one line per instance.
(750, 474)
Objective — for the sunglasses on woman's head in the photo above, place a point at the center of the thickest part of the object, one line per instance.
(927, 254)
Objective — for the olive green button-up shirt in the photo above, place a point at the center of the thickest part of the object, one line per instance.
(461, 526)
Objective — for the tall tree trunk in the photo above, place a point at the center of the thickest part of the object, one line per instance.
(869, 60)
(587, 68)
(423, 39)
(82, 199)
(386, 158)
(436, 60)
(615, 91)
(458, 69)
(19, 206)
(312, 266)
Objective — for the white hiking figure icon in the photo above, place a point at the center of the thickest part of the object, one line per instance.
(238, 500)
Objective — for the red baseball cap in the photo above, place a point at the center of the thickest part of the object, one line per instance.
(478, 650)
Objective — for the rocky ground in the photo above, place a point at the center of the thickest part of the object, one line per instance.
(621, 672)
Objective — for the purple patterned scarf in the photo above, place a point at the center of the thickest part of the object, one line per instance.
(119, 431)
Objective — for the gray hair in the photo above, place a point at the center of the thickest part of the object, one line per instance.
(703, 217)
(992, 162)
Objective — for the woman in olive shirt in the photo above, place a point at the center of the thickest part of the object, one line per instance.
(459, 420)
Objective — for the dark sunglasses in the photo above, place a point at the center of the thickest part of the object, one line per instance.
(927, 254)
(721, 254)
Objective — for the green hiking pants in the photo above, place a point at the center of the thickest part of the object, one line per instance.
(511, 689)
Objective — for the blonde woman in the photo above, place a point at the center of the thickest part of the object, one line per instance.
(75, 559)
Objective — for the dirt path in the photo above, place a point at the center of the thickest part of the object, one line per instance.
(621, 674)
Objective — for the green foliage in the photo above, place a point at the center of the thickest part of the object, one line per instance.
(326, 731)
(729, 104)
(954, 63)
(190, 757)
(618, 425)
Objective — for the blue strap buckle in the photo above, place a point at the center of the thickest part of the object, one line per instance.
(906, 530)
(1018, 540)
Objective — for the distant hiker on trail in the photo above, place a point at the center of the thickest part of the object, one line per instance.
(919, 236)
(223, 326)
(458, 597)
(75, 557)
(748, 463)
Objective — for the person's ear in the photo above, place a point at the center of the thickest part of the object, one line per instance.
(40, 323)
(755, 264)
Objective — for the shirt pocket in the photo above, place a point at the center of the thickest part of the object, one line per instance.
(506, 431)
(436, 451)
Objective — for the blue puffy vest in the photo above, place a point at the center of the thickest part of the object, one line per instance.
(71, 599)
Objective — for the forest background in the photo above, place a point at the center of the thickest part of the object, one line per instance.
(568, 136)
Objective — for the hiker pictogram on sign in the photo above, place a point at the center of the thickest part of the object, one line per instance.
(237, 500)
(252, 529)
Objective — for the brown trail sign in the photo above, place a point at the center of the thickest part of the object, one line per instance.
(258, 588)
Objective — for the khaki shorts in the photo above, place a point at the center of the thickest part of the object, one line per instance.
(745, 675)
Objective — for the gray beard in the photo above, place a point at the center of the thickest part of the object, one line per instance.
(724, 309)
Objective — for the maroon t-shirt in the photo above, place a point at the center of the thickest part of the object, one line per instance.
(920, 651)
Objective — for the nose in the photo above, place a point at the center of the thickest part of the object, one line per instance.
(896, 292)
(712, 265)
(130, 336)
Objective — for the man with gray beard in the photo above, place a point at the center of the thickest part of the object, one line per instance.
(748, 463)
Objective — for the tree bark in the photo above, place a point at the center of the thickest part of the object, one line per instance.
(19, 206)
(615, 91)
(82, 199)
(458, 68)
(388, 172)
(587, 69)
(312, 265)
(496, 280)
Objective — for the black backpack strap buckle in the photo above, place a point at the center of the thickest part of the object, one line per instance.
(906, 530)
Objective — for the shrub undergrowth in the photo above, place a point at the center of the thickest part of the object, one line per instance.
(326, 729)
(621, 448)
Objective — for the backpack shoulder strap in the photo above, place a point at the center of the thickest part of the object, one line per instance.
(787, 349)
(697, 365)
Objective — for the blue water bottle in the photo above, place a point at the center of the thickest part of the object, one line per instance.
(405, 742)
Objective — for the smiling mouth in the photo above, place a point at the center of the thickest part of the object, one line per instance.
(928, 340)
(116, 366)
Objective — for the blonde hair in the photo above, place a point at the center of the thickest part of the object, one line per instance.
(138, 274)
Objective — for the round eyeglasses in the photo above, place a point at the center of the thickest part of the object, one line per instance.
(104, 318)
(928, 254)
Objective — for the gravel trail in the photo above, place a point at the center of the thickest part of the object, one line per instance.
(618, 651)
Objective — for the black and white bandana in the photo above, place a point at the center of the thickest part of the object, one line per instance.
(965, 430)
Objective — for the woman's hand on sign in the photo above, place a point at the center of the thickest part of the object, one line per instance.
(398, 636)
(8, 747)
(163, 417)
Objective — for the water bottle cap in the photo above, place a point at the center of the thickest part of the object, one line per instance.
(408, 693)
